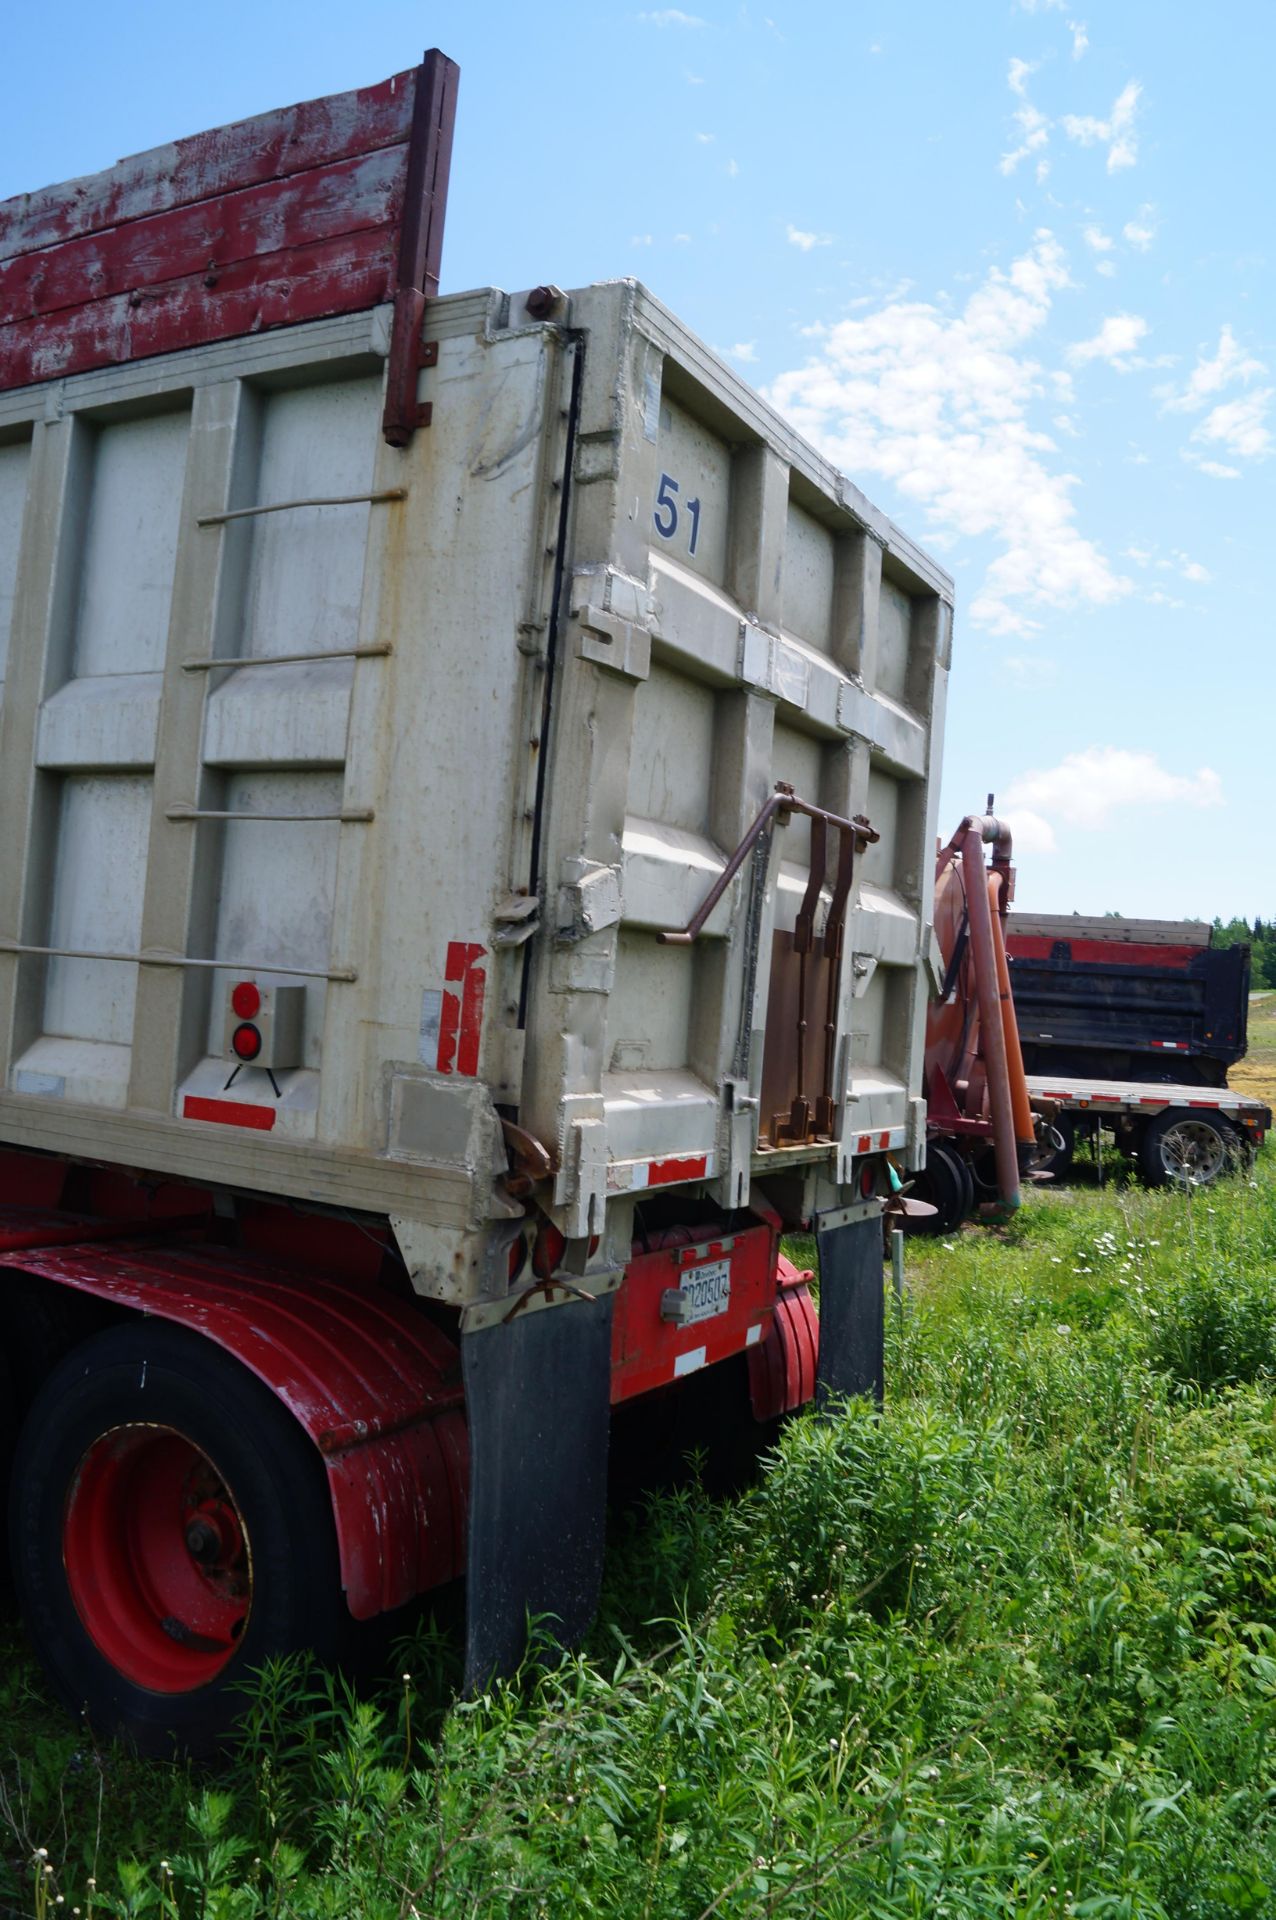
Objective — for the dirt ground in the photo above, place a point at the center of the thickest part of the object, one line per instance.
(1256, 1073)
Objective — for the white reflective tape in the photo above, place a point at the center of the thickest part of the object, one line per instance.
(431, 1022)
(752, 1337)
(689, 1362)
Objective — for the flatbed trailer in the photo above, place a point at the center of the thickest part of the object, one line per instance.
(1180, 1135)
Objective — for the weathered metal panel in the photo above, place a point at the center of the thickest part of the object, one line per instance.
(323, 208)
(526, 684)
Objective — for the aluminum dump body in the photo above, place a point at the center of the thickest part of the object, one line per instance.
(442, 738)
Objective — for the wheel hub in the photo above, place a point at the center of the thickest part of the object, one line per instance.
(157, 1558)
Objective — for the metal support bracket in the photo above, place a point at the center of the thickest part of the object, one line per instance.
(421, 245)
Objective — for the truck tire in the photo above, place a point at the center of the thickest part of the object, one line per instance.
(1185, 1147)
(1058, 1160)
(170, 1530)
(947, 1183)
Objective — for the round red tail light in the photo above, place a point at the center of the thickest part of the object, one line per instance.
(246, 1041)
(245, 998)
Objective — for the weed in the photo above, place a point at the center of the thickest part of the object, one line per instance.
(1007, 1649)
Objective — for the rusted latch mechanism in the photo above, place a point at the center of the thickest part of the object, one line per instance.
(803, 1119)
(420, 244)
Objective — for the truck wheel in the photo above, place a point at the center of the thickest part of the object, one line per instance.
(170, 1530)
(948, 1185)
(1186, 1149)
(1058, 1160)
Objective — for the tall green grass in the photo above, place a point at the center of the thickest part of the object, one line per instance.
(1009, 1649)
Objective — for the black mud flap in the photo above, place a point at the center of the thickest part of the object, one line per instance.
(538, 1400)
(852, 1304)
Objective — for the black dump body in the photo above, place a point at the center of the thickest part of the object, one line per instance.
(1127, 999)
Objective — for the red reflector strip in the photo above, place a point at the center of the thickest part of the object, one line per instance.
(228, 1113)
(1213, 1104)
(661, 1173)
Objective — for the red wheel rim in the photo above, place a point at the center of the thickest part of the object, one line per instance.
(157, 1558)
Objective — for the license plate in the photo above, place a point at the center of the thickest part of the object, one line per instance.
(706, 1291)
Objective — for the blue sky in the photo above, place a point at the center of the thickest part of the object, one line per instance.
(1010, 263)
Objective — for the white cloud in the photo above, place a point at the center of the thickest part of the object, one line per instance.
(1106, 268)
(732, 169)
(671, 17)
(805, 241)
(1210, 376)
(1238, 427)
(1088, 788)
(1034, 128)
(1030, 671)
(705, 139)
(1116, 338)
(1116, 132)
(939, 403)
(641, 240)
(1080, 38)
(1141, 231)
(746, 351)
(682, 239)
(1193, 570)
(1097, 240)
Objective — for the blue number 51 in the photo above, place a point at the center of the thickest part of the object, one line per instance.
(666, 505)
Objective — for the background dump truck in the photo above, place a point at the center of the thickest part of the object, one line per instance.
(467, 780)
(1133, 1024)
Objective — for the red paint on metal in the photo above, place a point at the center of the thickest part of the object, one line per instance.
(324, 204)
(296, 215)
(228, 1113)
(299, 283)
(31, 1179)
(461, 1018)
(420, 242)
(373, 1382)
(782, 1367)
(1098, 953)
(461, 956)
(131, 1571)
(645, 1348)
(467, 1052)
(663, 1173)
(288, 140)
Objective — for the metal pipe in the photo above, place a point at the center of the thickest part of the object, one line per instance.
(991, 1031)
(1025, 1132)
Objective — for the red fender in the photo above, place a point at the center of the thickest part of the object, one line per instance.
(375, 1384)
(782, 1366)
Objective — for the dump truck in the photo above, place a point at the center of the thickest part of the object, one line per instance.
(1130, 1026)
(468, 775)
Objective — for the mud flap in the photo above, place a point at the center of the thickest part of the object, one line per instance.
(538, 1401)
(852, 1304)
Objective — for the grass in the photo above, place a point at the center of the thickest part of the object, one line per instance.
(1256, 1073)
(1009, 1649)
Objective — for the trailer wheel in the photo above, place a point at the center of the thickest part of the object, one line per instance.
(1057, 1160)
(948, 1185)
(170, 1530)
(1186, 1149)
